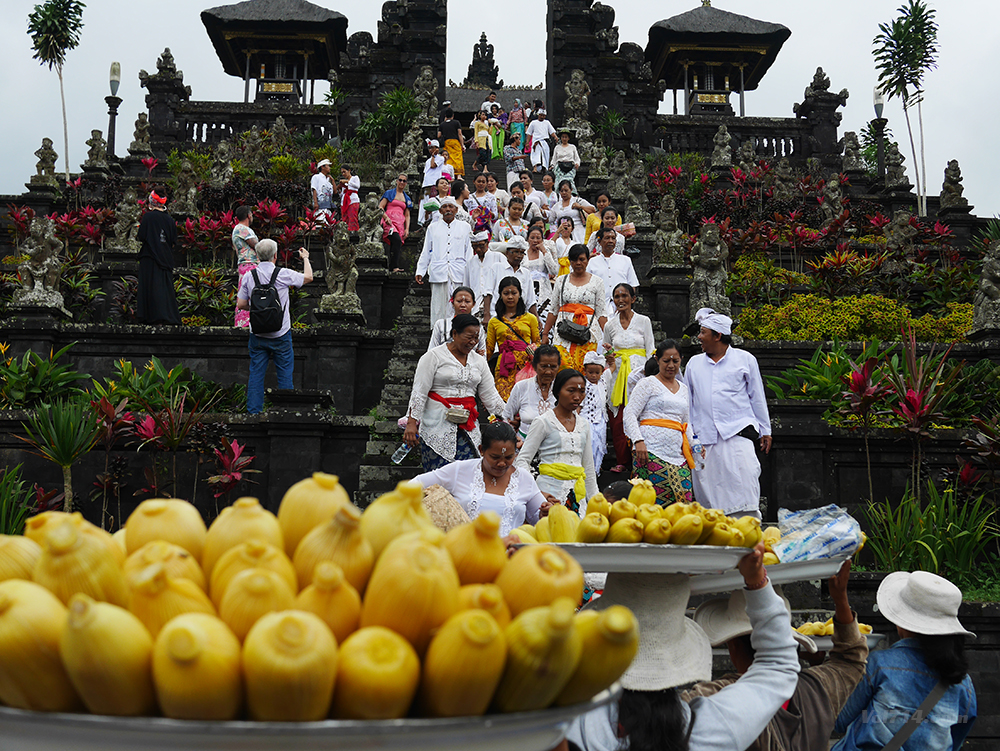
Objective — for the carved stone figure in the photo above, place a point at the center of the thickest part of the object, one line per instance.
(127, 216)
(599, 160)
(708, 284)
(341, 274)
(281, 137)
(899, 233)
(46, 166)
(483, 70)
(140, 138)
(986, 303)
(406, 160)
(747, 156)
(784, 181)
(895, 173)
(97, 156)
(833, 201)
(618, 186)
(185, 201)
(577, 105)
(722, 153)
(222, 164)
(370, 218)
(253, 150)
(852, 153)
(636, 200)
(39, 274)
(668, 242)
(584, 140)
(952, 188)
(426, 89)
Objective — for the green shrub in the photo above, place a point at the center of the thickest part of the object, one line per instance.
(286, 167)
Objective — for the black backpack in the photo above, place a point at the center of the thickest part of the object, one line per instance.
(266, 313)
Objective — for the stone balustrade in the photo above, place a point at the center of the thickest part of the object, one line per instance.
(211, 122)
(773, 137)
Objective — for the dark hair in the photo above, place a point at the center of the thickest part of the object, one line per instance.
(462, 321)
(501, 306)
(493, 93)
(515, 199)
(651, 368)
(945, 655)
(549, 173)
(655, 720)
(575, 251)
(496, 432)
(346, 167)
(724, 338)
(488, 175)
(618, 491)
(449, 113)
(545, 350)
(534, 226)
(481, 174)
(457, 187)
(463, 289)
(567, 183)
(602, 231)
(524, 172)
(602, 193)
(664, 346)
(241, 213)
(516, 185)
(626, 285)
(607, 209)
(562, 377)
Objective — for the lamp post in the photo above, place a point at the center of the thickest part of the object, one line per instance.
(113, 103)
(879, 123)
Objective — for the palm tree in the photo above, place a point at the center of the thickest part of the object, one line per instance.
(904, 51)
(54, 28)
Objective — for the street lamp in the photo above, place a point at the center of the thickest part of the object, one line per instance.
(879, 123)
(115, 79)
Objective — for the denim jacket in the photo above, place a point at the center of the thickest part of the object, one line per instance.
(896, 682)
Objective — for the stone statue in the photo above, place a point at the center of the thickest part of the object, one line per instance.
(140, 138)
(599, 160)
(618, 186)
(895, 173)
(222, 164)
(708, 284)
(747, 156)
(281, 138)
(185, 201)
(636, 200)
(722, 154)
(952, 189)
(407, 159)
(899, 236)
(986, 303)
(852, 153)
(370, 218)
(426, 90)
(39, 274)
(833, 202)
(784, 181)
(668, 242)
(585, 141)
(577, 104)
(127, 216)
(253, 150)
(341, 274)
(46, 166)
(97, 156)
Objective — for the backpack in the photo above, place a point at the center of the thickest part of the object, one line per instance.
(266, 313)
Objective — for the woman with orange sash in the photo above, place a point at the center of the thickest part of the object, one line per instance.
(656, 420)
(577, 298)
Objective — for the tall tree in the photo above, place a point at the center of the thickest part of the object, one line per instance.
(904, 51)
(54, 28)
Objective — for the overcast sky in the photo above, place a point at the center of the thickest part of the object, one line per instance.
(960, 115)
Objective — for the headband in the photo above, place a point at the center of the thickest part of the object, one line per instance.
(159, 199)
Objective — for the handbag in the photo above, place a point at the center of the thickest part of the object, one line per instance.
(577, 333)
(528, 371)
(457, 415)
(566, 166)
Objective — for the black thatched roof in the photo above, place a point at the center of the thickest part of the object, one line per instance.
(276, 24)
(739, 37)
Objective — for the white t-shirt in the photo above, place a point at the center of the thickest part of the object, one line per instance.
(433, 169)
(324, 190)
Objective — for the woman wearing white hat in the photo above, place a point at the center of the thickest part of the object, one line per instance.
(925, 672)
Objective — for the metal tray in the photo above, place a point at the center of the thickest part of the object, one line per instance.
(825, 643)
(782, 573)
(643, 558)
(526, 731)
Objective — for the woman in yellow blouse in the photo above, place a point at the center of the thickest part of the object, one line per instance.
(514, 332)
(594, 221)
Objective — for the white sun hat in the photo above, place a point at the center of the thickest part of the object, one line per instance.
(673, 649)
(921, 602)
(725, 618)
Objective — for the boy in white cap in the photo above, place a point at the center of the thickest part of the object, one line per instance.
(446, 252)
(595, 405)
(322, 188)
(433, 168)
(729, 412)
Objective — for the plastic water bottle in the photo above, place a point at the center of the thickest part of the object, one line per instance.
(401, 453)
(696, 450)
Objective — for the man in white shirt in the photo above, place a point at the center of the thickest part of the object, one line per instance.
(433, 167)
(322, 189)
(443, 260)
(479, 271)
(487, 105)
(541, 133)
(512, 266)
(728, 406)
(612, 267)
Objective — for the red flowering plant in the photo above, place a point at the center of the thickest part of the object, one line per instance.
(150, 163)
(233, 467)
(20, 218)
(866, 393)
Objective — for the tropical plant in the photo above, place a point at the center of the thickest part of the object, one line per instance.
(33, 380)
(62, 432)
(205, 293)
(866, 391)
(15, 501)
(233, 467)
(610, 125)
(905, 50)
(113, 423)
(54, 27)
(819, 377)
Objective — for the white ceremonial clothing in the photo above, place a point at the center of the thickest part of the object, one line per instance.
(538, 198)
(502, 197)
(518, 504)
(504, 269)
(504, 230)
(579, 217)
(594, 410)
(729, 477)
(562, 247)
(590, 294)
(479, 274)
(652, 400)
(440, 371)
(542, 269)
(567, 153)
(443, 260)
(613, 270)
(527, 403)
(549, 439)
(540, 131)
(549, 199)
(441, 334)
(433, 169)
(638, 335)
(619, 243)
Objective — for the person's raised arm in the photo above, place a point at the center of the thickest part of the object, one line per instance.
(307, 270)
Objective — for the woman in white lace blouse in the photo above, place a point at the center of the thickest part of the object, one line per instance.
(492, 483)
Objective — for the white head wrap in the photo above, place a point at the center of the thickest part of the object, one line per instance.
(481, 237)
(592, 358)
(714, 321)
(448, 201)
(517, 242)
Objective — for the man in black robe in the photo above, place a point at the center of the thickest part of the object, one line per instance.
(156, 301)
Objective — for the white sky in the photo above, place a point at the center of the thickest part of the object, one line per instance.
(837, 36)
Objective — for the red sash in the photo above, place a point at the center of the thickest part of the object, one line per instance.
(465, 402)
(508, 359)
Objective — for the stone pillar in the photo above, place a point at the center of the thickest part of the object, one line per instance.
(819, 107)
(166, 93)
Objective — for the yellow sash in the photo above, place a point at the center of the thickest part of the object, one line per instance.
(563, 266)
(562, 471)
(619, 394)
(674, 425)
